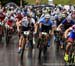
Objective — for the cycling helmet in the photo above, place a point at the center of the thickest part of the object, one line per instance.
(68, 18)
(44, 11)
(52, 18)
(19, 16)
(47, 16)
(63, 15)
(60, 16)
(29, 15)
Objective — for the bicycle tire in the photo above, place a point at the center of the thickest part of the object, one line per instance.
(22, 53)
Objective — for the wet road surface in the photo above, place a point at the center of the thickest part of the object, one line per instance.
(10, 57)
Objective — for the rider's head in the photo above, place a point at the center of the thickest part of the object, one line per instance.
(19, 16)
(73, 14)
(28, 17)
(47, 17)
(68, 19)
(59, 17)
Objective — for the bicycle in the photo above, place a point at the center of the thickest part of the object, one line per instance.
(57, 40)
(9, 31)
(71, 61)
(27, 36)
(42, 44)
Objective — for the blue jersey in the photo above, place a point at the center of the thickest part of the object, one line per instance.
(72, 35)
(46, 26)
(65, 21)
(67, 24)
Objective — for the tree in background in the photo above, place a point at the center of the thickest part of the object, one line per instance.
(38, 2)
(3, 2)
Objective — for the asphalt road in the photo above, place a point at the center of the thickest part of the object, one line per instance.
(10, 57)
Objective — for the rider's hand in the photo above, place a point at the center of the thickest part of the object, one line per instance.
(34, 33)
(58, 29)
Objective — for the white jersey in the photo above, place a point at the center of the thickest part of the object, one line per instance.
(11, 18)
(25, 21)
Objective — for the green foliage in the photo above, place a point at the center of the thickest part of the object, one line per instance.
(4, 1)
(42, 2)
(15, 1)
(33, 1)
(64, 2)
(25, 2)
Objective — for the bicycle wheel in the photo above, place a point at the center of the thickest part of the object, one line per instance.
(22, 53)
(57, 46)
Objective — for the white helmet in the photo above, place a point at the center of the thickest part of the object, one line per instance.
(52, 18)
(47, 16)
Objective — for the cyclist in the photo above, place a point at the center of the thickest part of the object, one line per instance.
(28, 24)
(45, 25)
(58, 19)
(65, 24)
(19, 17)
(70, 35)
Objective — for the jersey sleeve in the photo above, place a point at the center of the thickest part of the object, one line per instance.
(33, 21)
(41, 20)
(64, 21)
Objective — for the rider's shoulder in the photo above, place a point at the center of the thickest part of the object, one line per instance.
(42, 19)
(33, 20)
(64, 21)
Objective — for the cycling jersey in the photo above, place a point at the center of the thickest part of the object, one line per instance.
(9, 22)
(71, 36)
(67, 24)
(26, 24)
(58, 21)
(46, 26)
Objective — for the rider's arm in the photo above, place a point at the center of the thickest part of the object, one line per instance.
(59, 27)
(40, 27)
(35, 25)
(53, 29)
(62, 23)
(18, 23)
(53, 26)
(51, 32)
(36, 28)
(41, 21)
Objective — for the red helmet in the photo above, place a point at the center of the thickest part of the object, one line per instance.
(2, 16)
(19, 16)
